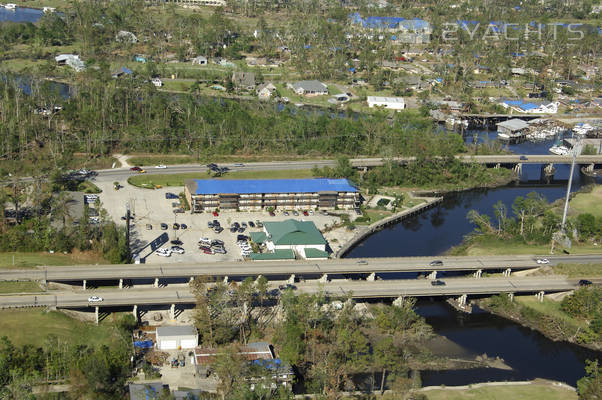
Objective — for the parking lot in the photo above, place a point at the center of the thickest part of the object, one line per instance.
(151, 207)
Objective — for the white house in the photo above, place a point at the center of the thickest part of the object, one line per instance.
(393, 103)
(177, 337)
(309, 88)
(200, 60)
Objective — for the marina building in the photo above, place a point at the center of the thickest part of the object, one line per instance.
(258, 194)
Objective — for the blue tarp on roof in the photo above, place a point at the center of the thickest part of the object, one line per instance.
(388, 22)
(269, 364)
(144, 344)
(126, 70)
(246, 186)
(522, 105)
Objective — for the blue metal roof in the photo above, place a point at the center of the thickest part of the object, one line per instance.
(247, 186)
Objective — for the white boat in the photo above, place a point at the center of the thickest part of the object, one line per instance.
(10, 6)
(48, 10)
(559, 150)
(503, 136)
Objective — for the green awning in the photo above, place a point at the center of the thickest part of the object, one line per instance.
(258, 237)
(276, 255)
(315, 253)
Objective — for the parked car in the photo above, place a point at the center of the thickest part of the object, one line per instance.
(94, 299)
(216, 223)
(241, 229)
(215, 214)
(136, 169)
(178, 210)
(219, 250)
(251, 224)
(311, 212)
(242, 237)
(295, 213)
(149, 227)
(272, 214)
(177, 249)
(163, 252)
(259, 224)
(161, 166)
(205, 240)
(209, 224)
(171, 196)
(437, 282)
(305, 213)
(285, 213)
(543, 261)
(436, 263)
(183, 226)
(203, 248)
(243, 225)
(207, 251)
(163, 226)
(175, 226)
(218, 229)
(217, 242)
(176, 242)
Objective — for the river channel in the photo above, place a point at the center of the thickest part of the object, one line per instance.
(20, 14)
(529, 353)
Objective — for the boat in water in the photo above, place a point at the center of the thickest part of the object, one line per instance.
(559, 150)
(10, 6)
(48, 10)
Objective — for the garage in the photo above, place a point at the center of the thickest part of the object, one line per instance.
(177, 337)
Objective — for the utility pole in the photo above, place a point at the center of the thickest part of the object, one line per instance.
(576, 150)
(127, 228)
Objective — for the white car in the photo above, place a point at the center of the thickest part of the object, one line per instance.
(157, 82)
(177, 249)
(543, 261)
(164, 252)
(95, 299)
(161, 166)
(206, 241)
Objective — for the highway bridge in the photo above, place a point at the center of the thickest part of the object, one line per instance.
(345, 266)
(181, 294)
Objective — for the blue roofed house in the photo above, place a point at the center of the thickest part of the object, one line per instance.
(414, 31)
(257, 194)
(147, 391)
(530, 106)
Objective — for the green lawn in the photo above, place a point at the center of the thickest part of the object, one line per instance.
(513, 392)
(19, 287)
(32, 326)
(579, 270)
(588, 202)
(500, 247)
(28, 260)
(148, 180)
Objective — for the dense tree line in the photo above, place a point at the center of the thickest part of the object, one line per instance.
(93, 372)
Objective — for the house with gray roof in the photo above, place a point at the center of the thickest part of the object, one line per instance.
(177, 337)
(310, 88)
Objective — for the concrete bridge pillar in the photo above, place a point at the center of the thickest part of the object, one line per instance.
(507, 272)
(291, 280)
(462, 300)
(511, 297)
(156, 284)
(497, 166)
(323, 278)
(518, 169)
(590, 168)
(478, 273)
(120, 283)
(191, 279)
(135, 312)
(539, 296)
(371, 277)
(226, 279)
(399, 301)
(433, 275)
(549, 170)
(84, 284)
(172, 311)
(96, 314)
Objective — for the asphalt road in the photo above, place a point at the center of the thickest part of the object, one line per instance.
(267, 268)
(358, 289)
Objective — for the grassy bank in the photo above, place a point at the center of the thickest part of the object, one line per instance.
(19, 287)
(150, 180)
(587, 202)
(546, 317)
(481, 246)
(32, 326)
(28, 260)
(514, 392)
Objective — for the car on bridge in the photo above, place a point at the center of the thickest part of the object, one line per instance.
(95, 299)
(585, 282)
(436, 263)
(136, 169)
(523, 158)
(543, 261)
(437, 282)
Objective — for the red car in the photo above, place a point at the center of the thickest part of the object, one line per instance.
(215, 214)
(207, 251)
(305, 213)
(136, 169)
(272, 214)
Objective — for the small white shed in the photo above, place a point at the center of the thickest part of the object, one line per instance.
(393, 103)
(177, 337)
